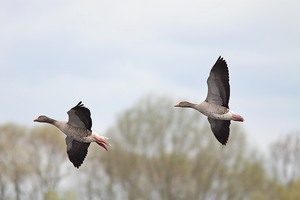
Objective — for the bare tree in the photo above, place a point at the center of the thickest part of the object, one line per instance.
(31, 161)
(48, 156)
(285, 159)
(283, 167)
(159, 152)
(14, 160)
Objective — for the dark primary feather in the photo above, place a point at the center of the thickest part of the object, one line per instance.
(79, 116)
(220, 128)
(218, 84)
(77, 151)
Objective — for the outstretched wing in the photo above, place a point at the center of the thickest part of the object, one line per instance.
(80, 116)
(220, 128)
(76, 150)
(218, 84)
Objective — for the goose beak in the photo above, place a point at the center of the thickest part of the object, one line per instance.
(177, 105)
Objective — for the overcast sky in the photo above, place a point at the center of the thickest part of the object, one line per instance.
(109, 54)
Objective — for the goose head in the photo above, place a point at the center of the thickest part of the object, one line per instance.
(185, 104)
(43, 119)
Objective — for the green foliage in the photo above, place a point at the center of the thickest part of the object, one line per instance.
(55, 195)
(52, 195)
(70, 195)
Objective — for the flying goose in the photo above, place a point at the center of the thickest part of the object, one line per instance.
(215, 106)
(78, 132)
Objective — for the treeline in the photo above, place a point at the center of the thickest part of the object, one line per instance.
(157, 152)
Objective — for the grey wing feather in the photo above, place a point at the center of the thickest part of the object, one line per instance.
(80, 116)
(74, 120)
(77, 151)
(221, 129)
(218, 84)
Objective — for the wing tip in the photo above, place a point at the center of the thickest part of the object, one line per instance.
(80, 104)
(76, 161)
(77, 165)
(221, 59)
(223, 142)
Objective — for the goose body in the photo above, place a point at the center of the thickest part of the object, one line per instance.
(215, 106)
(78, 132)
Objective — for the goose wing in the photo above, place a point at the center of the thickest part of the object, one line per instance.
(220, 128)
(76, 150)
(79, 116)
(218, 84)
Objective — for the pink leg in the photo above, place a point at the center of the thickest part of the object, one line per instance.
(236, 117)
(101, 141)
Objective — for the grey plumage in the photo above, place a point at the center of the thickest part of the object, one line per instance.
(215, 106)
(78, 131)
(218, 84)
(218, 93)
(79, 116)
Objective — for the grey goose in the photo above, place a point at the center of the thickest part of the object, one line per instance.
(78, 132)
(215, 106)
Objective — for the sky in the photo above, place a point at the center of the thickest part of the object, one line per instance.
(110, 54)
